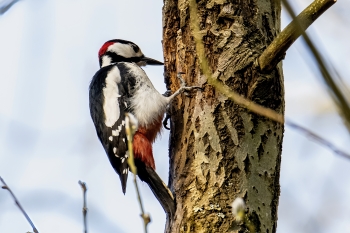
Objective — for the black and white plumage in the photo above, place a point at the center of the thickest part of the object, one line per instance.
(110, 123)
(122, 86)
(111, 96)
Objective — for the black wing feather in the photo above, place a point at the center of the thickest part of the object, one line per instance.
(116, 148)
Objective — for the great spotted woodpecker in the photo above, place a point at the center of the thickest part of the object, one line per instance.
(121, 86)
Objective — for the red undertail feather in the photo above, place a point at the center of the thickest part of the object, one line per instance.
(143, 149)
(143, 139)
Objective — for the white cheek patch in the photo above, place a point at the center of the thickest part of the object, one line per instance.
(124, 50)
(111, 94)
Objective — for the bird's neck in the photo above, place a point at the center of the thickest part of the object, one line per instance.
(105, 60)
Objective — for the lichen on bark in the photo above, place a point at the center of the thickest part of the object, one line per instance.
(219, 150)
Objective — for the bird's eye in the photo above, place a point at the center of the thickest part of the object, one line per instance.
(135, 47)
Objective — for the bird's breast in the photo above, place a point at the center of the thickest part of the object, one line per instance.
(148, 105)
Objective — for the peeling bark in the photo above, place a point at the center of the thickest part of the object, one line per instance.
(218, 150)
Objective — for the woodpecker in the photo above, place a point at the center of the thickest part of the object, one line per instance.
(121, 86)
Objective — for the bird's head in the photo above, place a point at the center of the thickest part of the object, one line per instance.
(123, 51)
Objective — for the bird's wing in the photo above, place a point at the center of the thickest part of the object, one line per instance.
(108, 105)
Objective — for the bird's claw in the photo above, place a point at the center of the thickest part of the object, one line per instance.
(168, 93)
(183, 89)
(183, 86)
(179, 76)
(165, 121)
(167, 117)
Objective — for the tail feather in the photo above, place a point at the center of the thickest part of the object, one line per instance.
(123, 180)
(122, 171)
(159, 189)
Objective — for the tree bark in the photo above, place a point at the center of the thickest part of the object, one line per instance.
(218, 150)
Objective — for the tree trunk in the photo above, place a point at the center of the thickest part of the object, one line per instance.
(218, 150)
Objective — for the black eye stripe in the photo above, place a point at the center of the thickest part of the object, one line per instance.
(135, 47)
(117, 58)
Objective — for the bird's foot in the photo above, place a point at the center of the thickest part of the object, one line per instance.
(167, 93)
(183, 88)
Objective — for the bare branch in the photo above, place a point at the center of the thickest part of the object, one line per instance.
(7, 5)
(130, 128)
(309, 15)
(317, 138)
(275, 52)
(5, 186)
(338, 92)
(238, 99)
(85, 209)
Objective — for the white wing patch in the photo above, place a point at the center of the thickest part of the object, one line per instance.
(111, 94)
(115, 132)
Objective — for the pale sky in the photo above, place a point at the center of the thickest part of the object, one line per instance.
(48, 53)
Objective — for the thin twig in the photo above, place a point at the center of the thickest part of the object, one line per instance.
(238, 99)
(7, 5)
(275, 52)
(85, 209)
(337, 92)
(319, 139)
(130, 128)
(5, 186)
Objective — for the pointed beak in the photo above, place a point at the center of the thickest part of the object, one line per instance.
(150, 61)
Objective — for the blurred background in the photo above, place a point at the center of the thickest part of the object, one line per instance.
(48, 55)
